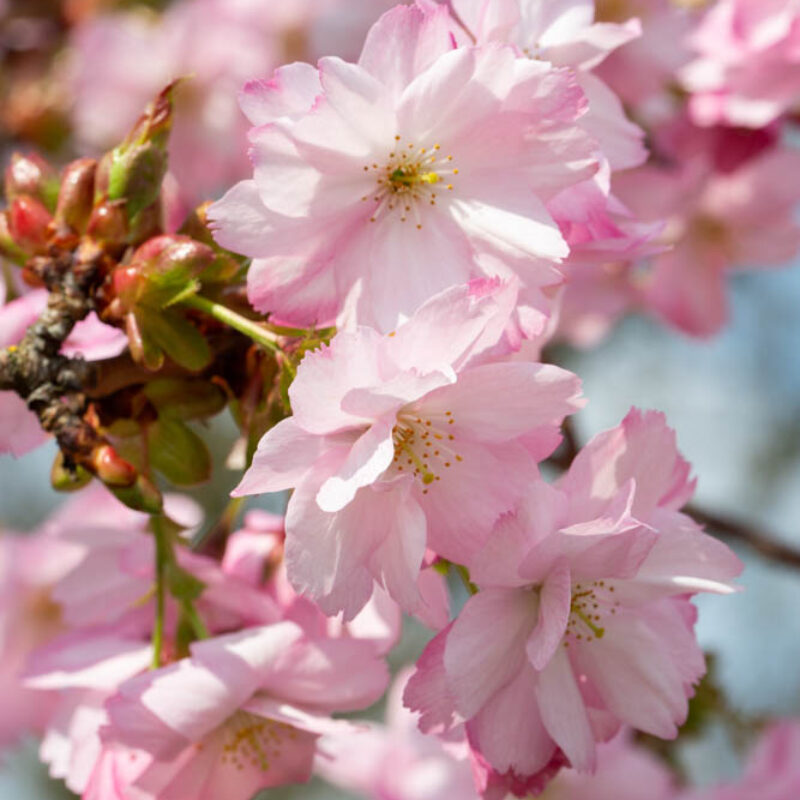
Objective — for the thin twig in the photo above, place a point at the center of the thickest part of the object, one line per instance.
(731, 529)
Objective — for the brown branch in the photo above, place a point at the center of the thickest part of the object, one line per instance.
(52, 384)
(763, 543)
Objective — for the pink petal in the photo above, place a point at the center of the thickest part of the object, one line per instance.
(485, 646)
(291, 90)
(502, 401)
(564, 713)
(630, 670)
(555, 598)
(284, 455)
(370, 456)
(508, 730)
(404, 42)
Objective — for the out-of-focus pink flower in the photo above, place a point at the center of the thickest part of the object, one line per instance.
(747, 72)
(420, 154)
(642, 71)
(20, 431)
(112, 581)
(742, 216)
(604, 238)
(623, 772)
(121, 60)
(582, 622)
(398, 443)
(395, 760)
(74, 676)
(29, 617)
(243, 713)
(255, 554)
(772, 771)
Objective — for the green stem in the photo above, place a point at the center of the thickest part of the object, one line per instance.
(195, 620)
(165, 563)
(300, 333)
(162, 558)
(234, 320)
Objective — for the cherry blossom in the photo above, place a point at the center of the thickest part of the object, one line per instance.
(419, 154)
(716, 220)
(591, 581)
(397, 443)
(746, 72)
(243, 712)
(396, 760)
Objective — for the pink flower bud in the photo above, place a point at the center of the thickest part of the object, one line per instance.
(108, 222)
(111, 468)
(30, 175)
(76, 198)
(28, 223)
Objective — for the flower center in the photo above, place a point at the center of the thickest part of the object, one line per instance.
(408, 180)
(589, 604)
(424, 446)
(254, 741)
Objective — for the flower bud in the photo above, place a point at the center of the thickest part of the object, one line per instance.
(108, 223)
(8, 247)
(28, 222)
(174, 252)
(31, 175)
(111, 468)
(139, 164)
(76, 198)
(149, 222)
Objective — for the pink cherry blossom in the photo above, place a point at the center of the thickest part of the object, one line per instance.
(582, 622)
(419, 154)
(640, 71)
(395, 760)
(243, 713)
(255, 554)
(20, 431)
(746, 72)
(29, 565)
(111, 582)
(77, 674)
(771, 771)
(398, 443)
(715, 220)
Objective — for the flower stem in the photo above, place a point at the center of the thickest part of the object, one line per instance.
(234, 320)
(162, 558)
(195, 620)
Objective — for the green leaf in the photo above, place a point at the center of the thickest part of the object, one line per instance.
(178, 453)
(185, 399)
(176, 336)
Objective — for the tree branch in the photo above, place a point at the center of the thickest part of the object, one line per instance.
(51, 384)
(763, 543)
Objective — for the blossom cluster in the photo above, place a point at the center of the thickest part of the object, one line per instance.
(424, 217)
